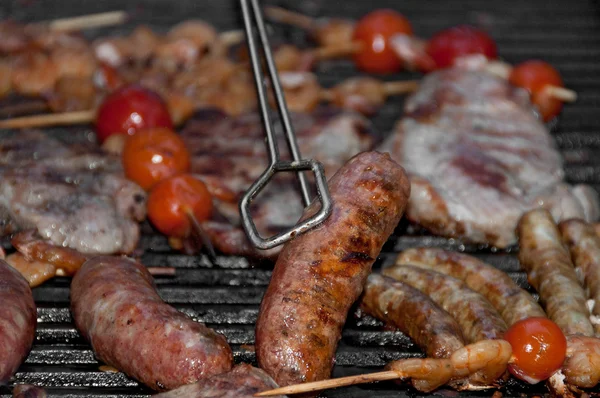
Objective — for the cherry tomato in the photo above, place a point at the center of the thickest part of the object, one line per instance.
(539, 349)
(447, 45)
(151, 155)
(534, 76)
(374, 31)
(172, 200)
(129, 109)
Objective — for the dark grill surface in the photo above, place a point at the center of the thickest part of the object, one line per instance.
(226, 296)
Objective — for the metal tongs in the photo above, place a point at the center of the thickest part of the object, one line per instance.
(252, 15)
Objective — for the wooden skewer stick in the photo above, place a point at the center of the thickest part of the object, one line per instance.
(88, 21)
(389, 88)
(333, 383)
(232, 37)
(53, 119)
(198, 233)
(503, 69)
(167, 271)
(288, 17)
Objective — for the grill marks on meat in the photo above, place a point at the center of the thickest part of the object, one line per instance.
(476, 316)
(479, 158)
(320, 274)
(71, 195)
(242, 382)
(229, 154)
(414, 313)
(18, 318)
(512, 302)
(116, 307)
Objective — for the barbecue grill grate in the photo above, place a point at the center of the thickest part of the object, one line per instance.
(226, 296)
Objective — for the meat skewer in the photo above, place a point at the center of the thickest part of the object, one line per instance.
(302, 92)
(461, 45)
(584, 245)
(321, 273)
(38, 260)
(431, 373)
(551, 272)
(116, 307)
(512, 302)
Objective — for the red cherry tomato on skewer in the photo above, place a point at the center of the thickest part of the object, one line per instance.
(151, 155)
(447, 45)
(373, 31)
(539, 349)
(130, 109)
(535, 76)
(173, 201)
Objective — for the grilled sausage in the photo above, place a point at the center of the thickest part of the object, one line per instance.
(550, 271)
(116, 307)
(414, 314)
(320, 274)
(242, 382)
(584, 245)
(18, 318)
(512, 302)
(28, 391)
(477, 318)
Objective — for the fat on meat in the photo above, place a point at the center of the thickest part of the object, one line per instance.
(229, 154)
(72, 194)
(478, 158)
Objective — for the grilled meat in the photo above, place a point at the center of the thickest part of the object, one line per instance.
(479, 158)
(73, 195)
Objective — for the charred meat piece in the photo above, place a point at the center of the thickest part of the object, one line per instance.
(242, 382)
(229, 154)
(71, 195)
(479, 158)
(320, 274)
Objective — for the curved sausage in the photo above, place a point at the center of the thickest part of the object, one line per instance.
(242, 382)
(584, 245)
(321, 273)
(414, 314)
(18, 319)
(116, 307)
(550, 271)
(477, 318)
(512, 302)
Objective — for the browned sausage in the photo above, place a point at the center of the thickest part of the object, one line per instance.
(242, 382)
(413, 313)
(320, 274)
(477, 318)
(18, 318)
(584, 246)
(550, 271)
(512, 302)
(116, 307)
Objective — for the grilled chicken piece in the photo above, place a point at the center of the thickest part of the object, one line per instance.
(479, 158)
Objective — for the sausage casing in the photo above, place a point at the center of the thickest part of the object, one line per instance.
(116, 307)
(320, 274)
